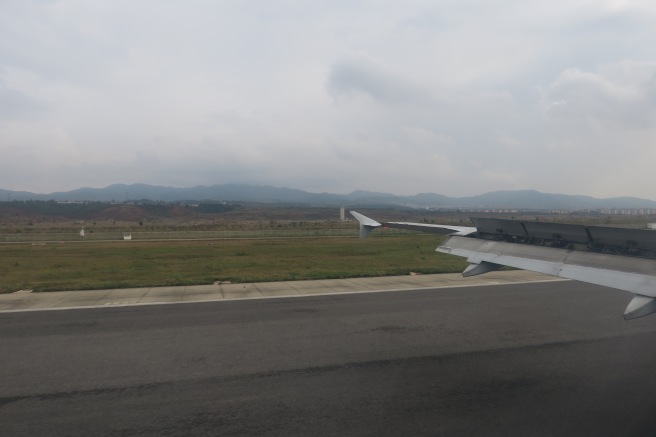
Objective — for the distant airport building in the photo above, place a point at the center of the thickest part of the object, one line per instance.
(633, 211)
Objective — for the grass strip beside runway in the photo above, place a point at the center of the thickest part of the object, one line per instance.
(126, 264)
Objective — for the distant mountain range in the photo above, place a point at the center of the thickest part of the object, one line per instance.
(522, 199)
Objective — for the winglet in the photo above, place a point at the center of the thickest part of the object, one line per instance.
(366, 224)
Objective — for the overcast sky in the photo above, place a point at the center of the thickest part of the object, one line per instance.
(454, 97)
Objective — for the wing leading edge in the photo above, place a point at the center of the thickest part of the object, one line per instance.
(624, 259)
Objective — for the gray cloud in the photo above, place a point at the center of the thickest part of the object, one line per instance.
(360, 76)
(620, 93)
(15, 104)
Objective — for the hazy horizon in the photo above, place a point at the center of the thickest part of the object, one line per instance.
(483, 193)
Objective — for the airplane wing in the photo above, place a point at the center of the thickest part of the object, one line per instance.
(614, 257)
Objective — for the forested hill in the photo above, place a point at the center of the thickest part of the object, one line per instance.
(522, 199)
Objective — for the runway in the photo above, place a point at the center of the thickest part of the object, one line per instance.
(532, 359)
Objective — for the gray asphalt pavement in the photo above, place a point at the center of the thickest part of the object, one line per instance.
(547, 358)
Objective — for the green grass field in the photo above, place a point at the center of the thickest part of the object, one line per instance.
(98, 265)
